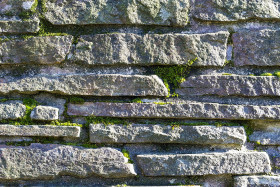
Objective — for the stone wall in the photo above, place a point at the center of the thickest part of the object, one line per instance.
(139, 92)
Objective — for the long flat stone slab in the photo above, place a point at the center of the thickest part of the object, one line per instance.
(89, 84)
(127, 12)
(152, 49)
(18, 26)
(243, 181)
(259, 48)
(12, 110)
(266, 137)
(40, 130)
(230, 85)
(232, 10)
(235, 163)
(179, 111)
(50, 161)
(141, 133)
(35, 50)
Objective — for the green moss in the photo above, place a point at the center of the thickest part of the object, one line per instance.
(174, 75)
(251, 75)
(226, 74)
(30, 104)
(105, 121)
(277, 74)
(58, 123)
(27, 14)
(137, 100)
(162, 103)
(249, 131)
(229, 63)
(126, 154)
(266, 74)
(3, 100)
(77, 100)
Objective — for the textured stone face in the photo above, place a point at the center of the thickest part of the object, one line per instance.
(140, 133)
(15, 7)
(260, 48)
(12, 110)
(191, 110)
(40, 130)
(45, 113)
(269, 181)
(270, 137)
(151, 49)
(50, 161)
(234, 10)
(90, 84)
(14, 26)
(204, 164)
(134, 12)
(230, 85)
(36, 50)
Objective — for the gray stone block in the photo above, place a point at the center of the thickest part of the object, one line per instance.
(50, 161)
(141, 133)
(268, 181)
(152, 49)
(235, 163)
(12, 110)
(44, 113)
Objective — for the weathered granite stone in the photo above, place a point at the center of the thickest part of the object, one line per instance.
(230, 85)
(204, 164)
(268, 137)
(260, 48)
(12, 110)
(50, 161)
(141, 133)
(181, 111)
(40, 130)
(130, 12)
(45, 113)
(150, 49)
(39, 50)
(15, 7)
(17, 25)
(234, 10)
(268, 181)
(90, 84)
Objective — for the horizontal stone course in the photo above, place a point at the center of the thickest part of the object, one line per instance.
(129, 12)
(204, 164)
(179, 111)
(152, 49)
(256, 47)
(230, 85)
(11, 110)
(45, 113)
(19, 26)
(89, 84)
(141, 133)
(35, 50)
(235, 10)
(40, 130)
(266, 137)
(50, 161)
(269, 181)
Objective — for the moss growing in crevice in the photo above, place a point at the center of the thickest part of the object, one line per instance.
(105, 121)
(173, 76)
(27, 14)
(77, 100)
(126, 154)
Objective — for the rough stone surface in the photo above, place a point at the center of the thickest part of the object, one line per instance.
(230, 85)
(129, 12)
(16, 25)
(204, 164)
(45, 113)
(90, 84)
(260, 48)
(141, 133)
(15, 7)
(271, 137)
(268, 181)
(234, 10)
(188, 110)
(150, 49)
(39, 50)
(12, 110)
(40, 130)
(50, 161)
